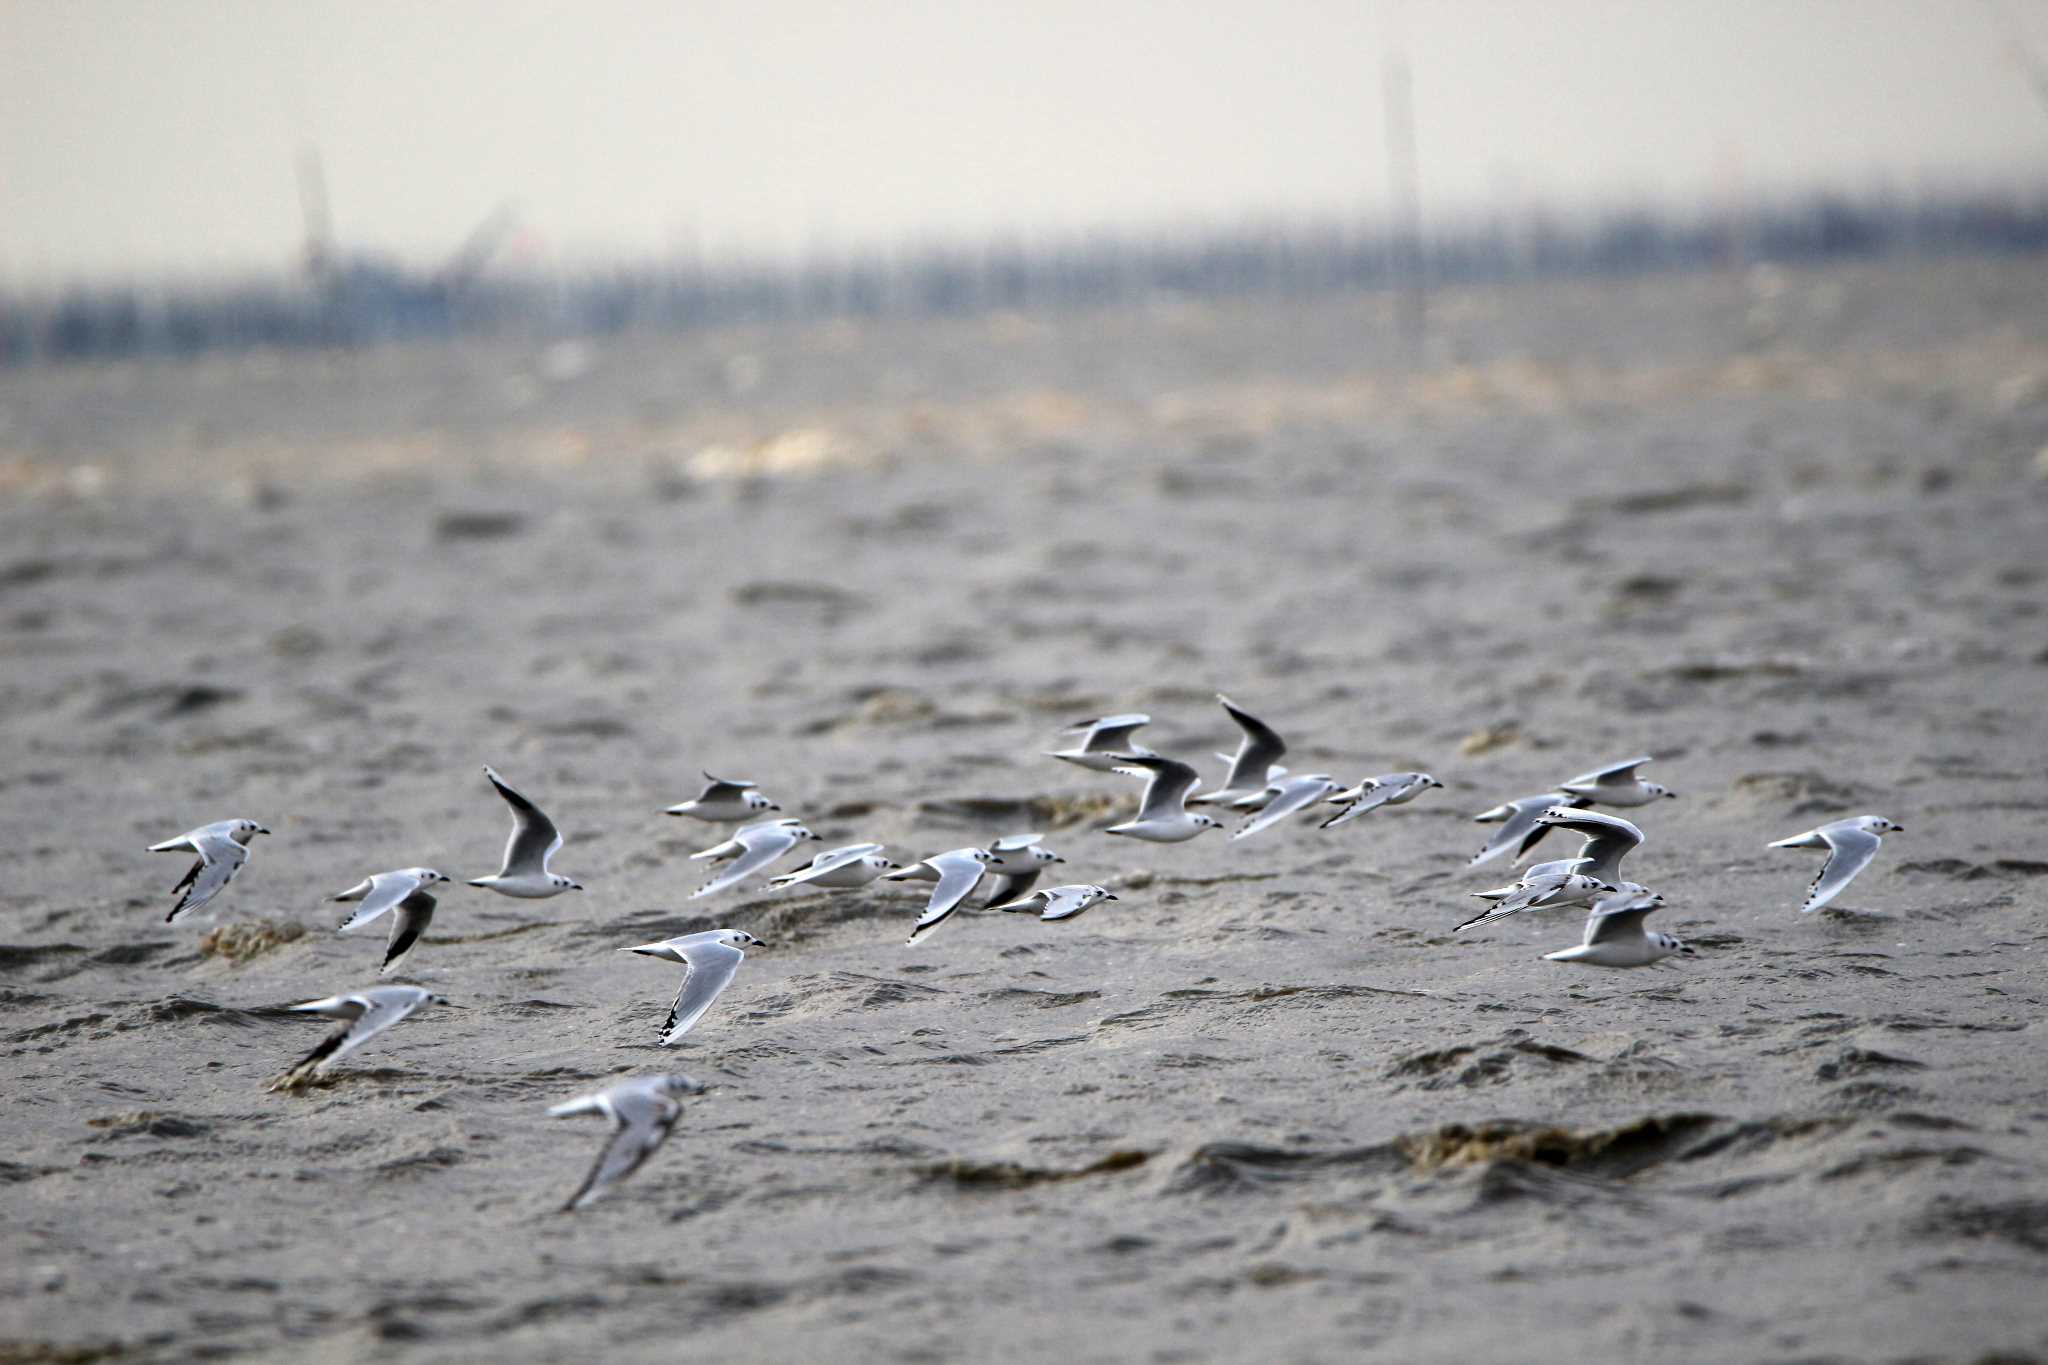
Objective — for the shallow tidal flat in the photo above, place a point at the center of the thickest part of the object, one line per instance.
(1785, 531)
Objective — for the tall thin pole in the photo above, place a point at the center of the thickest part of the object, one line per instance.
(1404, 187)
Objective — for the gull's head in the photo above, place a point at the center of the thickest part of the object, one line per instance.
(242, 831)
(1877, 824)
(437, 1000)
(756, 801)
(563, 882)
(426, 876)
(1206, 822)
(1046, 855)
(680, 1085)
(740, 938)
(1659, 789)
(983, 856)
(1429, 781)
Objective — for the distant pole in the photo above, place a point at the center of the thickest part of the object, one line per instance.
(1404, 187)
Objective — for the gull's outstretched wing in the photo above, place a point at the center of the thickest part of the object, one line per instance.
(1608, 838)
(758, 848)
(830, 861)
(1518, 825)
(534, 836)
(1849, 852)
(1372, 795)
(721, 788)
(1109, 732)
(1607, 776)
(709, 970)
(1010, 885)
(1296, 794)
(415, 913)
(1166, 791)
(1531, 893)
(220, 858)
(1260, 748)
(1619, 918)
(387, 890)
(958, 877)
(1065, 902)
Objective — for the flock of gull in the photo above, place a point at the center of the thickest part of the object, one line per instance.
(1256, 787)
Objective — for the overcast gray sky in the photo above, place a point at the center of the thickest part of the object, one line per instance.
(143, 136)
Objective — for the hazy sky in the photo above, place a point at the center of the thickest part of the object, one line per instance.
(140, 136)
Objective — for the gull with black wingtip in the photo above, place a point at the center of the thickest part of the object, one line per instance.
(724, 801)
(1106, 737)
(709, 961)
(751, 848)
(1851, 844)
(534, 841)
(404, 895)
(643, 1111)
(1251, 768)
(222, 848)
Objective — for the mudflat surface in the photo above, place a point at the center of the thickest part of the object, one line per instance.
(1788, 532)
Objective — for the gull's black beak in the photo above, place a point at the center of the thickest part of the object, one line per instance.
(773, 806)
(261, 830)
(575, 886)
(1109, 898)
(1898, 829)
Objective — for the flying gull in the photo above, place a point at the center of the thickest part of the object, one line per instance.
(534, 840)
(1054, 903)
(724, 802)
(957, 871)
(1615, 936)
(642, 1111)
(751, 848)
(1163, 816)
(222, 848)
(709, 960)
(1851, 844)
(1388, 789)
(404, 891)
(1106, 737)
(1250, 767)
(364, 1015)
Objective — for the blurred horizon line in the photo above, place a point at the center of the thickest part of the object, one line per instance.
(350, 297)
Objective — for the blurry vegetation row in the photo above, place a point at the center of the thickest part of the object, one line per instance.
(360, 300)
